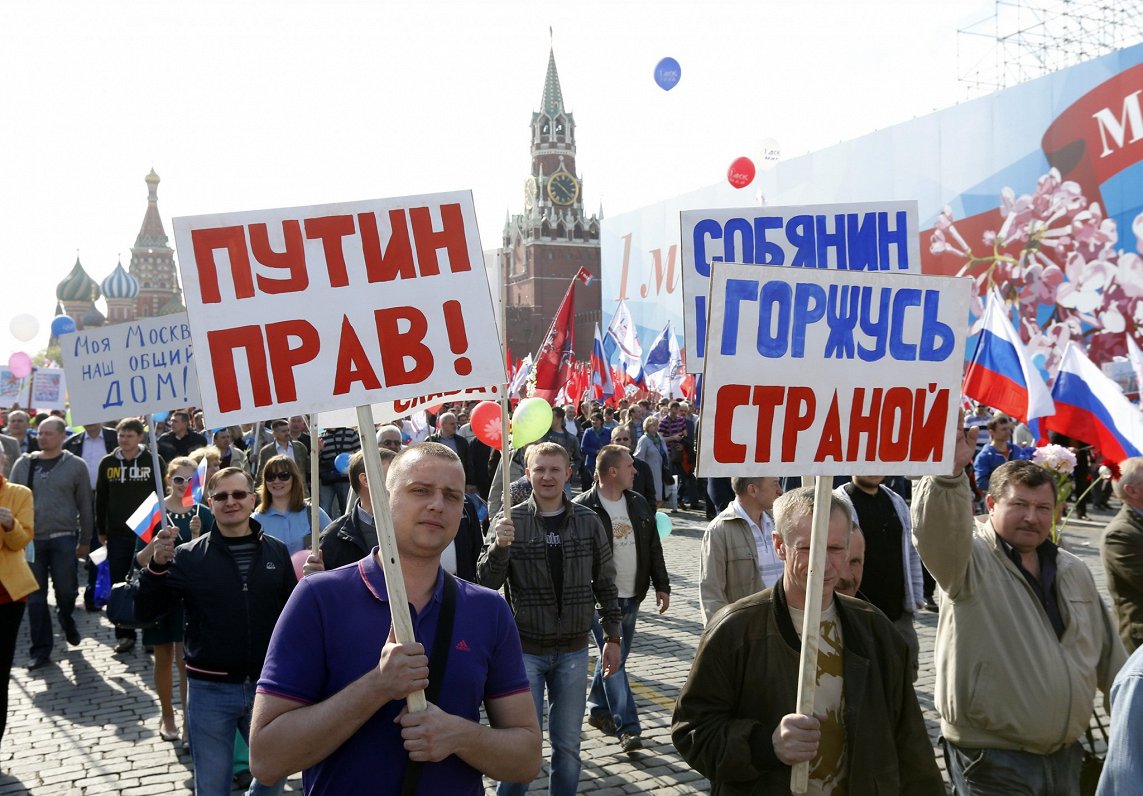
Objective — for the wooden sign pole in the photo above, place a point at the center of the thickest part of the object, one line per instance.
(315, 486)
(387, 544)
(811, 623)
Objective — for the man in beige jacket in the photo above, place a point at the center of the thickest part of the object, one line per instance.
(1023, 638)
(738, 556)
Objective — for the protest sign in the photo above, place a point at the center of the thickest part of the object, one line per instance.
(129, 369)
(309, 309)
(13, 389)
(831, 372)
(49, 389)
(389, 411)
(866, 237)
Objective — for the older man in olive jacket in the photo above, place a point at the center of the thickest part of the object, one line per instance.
(1122, 551)
(735, 719)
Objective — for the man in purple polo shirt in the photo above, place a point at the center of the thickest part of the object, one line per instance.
(331, 699)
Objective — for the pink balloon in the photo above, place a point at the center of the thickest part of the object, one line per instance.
(741, 172)
(299, 560)
(20, 364)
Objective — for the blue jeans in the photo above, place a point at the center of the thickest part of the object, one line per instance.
(334, 493)
(612, 695)
(54, 557)
(565, 676)
(214, 712)
(986, 772)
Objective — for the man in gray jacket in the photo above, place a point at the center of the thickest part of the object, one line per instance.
(61, 489)
(1023, 639)
(738, 557)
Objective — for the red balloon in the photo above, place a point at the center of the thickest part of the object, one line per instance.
(486, 424)
(741, 172)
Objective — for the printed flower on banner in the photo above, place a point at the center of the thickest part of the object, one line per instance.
(1054, 258)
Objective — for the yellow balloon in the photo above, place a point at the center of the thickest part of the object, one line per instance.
(531, 420)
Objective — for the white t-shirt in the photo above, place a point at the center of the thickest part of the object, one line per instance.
(622, 545)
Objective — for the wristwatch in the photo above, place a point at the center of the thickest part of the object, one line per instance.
(613, 640)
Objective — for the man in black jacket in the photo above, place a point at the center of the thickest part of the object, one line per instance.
(446, 435)
(638, 556)
(234, 582)
(350, 537)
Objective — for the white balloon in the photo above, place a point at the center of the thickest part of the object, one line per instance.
(24, 327)
(771, 154)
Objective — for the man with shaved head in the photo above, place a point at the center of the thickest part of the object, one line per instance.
(331, 699)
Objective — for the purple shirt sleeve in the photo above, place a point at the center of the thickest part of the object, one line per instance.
(295, 666)
(507, 676)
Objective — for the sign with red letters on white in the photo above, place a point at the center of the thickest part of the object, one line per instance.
(309, 309)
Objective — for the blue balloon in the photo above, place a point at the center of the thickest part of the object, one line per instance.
(62, 324)
(341, 462)
(662, 524)
(161, 417)
(668, 73)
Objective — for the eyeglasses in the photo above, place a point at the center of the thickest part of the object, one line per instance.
(279, 476)
(237, 494)
(391, 443)
(178, 480)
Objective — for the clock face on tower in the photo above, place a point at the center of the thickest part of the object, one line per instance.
(529, 193)
(563, 188)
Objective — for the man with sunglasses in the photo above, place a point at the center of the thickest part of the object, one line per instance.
(234, 583)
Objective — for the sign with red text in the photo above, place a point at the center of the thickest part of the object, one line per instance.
(867, 237)
(309, 309)
(129, 369)
(815, 372)
(389, 411)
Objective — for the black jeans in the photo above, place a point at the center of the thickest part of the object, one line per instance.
(10, 616)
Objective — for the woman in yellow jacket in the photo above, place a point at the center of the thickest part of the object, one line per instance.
(16, 578)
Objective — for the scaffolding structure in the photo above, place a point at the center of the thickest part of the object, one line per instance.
(1023, 39)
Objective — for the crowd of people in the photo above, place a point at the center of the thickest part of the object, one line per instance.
(300, 662)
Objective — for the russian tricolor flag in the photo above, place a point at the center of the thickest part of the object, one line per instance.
(1090, 407)
(196, 486)
(147, 518)
(1000, 374)
(602, 386)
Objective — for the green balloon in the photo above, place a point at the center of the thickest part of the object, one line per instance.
(531, 420)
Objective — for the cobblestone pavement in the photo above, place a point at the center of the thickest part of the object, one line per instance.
(88, 724)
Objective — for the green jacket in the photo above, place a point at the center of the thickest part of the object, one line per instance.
(745, 679)
(1123, 562)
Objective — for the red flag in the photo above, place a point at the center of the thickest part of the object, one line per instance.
(555, 357)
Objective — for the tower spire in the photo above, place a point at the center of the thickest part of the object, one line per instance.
(552, 102)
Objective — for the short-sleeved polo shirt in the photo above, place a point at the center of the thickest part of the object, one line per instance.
(331, 634)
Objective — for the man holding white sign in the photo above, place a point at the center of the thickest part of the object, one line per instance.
(331, 699)
(735, 719)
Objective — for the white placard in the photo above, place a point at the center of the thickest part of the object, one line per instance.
(130, 369)
(861, 237)
(310, 309)
(394, 410)
(816, 372)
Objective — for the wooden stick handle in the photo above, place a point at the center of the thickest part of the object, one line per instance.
(387, 544)
(811, 622)
(315, 486)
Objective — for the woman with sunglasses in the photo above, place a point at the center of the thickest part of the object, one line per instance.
(166, 639)
(283, 511)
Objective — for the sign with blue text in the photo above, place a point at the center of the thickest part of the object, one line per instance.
(866, 237)
(130, 369)
(826, 372)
